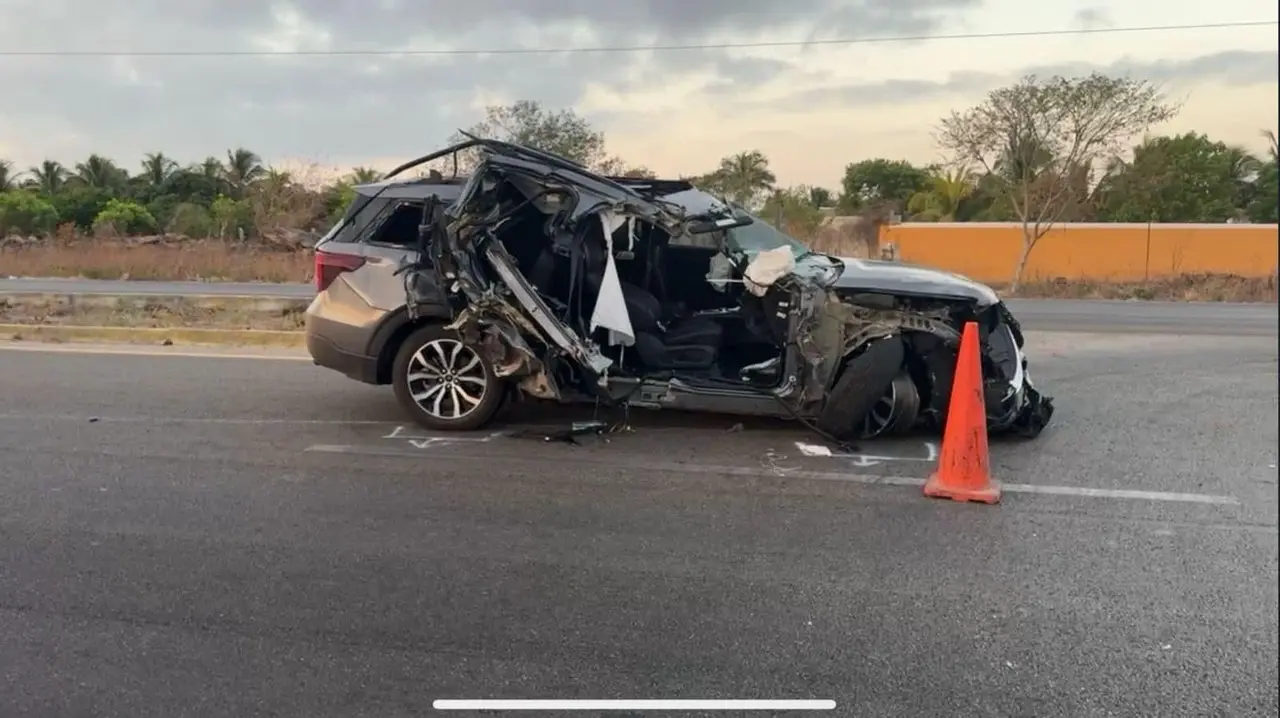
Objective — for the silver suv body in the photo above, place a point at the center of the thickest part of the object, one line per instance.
(534, 276)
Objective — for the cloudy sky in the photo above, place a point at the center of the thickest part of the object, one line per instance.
(810, 109)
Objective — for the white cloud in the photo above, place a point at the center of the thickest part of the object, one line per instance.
(811, 109)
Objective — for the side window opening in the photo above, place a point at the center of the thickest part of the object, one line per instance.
(400, 228)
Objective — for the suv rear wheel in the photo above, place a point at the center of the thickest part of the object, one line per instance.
(443, 383)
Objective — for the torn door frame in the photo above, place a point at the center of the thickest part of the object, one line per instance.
(501, 313)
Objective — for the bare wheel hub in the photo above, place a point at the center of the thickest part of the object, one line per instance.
(895, 412)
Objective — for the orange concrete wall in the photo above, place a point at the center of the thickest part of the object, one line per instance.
(988, 251)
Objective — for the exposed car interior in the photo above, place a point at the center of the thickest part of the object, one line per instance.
(684, 325)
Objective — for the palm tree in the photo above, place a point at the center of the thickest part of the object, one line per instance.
(210, 169)
(365, 175)
(242, 169)
(1023, 159)
(157, 169)
(8, 178)
(1241, 164)
(744, 177)
(1272, 150)
(99, 172)
(941, 201)
(49, 177)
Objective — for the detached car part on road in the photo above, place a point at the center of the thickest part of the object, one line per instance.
(534, 275)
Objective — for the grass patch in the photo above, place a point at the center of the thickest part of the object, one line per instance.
(198, 260)
(150, 313)
(1181, 288)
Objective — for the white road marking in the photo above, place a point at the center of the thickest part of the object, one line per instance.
(861, 460)
(144, 351)
(1122, 494)
(869, 479)
(632, 705)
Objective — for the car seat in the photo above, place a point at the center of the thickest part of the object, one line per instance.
(692, 343)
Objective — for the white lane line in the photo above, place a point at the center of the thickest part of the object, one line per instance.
(144, 351)
(1122, 494)
(633, 705)
(746, 472)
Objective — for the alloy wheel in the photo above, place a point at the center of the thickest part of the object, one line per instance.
(446, 379)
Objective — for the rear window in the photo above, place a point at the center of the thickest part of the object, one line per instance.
(359, 215)
(397, 226)
(370, 215)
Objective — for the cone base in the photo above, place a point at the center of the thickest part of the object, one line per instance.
(937, 488)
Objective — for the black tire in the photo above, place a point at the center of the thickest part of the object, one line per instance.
(864, 380)
(908, 396)
(477, 378)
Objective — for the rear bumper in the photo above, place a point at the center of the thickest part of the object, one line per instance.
(325, 354)
(320, 332)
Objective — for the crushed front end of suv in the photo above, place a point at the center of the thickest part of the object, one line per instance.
(535, 276)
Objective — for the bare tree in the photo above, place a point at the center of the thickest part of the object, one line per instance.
(527, 122)
(1038, 138)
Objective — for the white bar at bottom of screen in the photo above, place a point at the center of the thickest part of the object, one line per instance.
(634, 705)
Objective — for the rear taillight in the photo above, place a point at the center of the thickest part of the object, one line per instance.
(330, 264)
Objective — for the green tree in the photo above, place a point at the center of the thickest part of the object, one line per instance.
(8, 178)
(1057, 129)
(199, 183)
(1262, 207)
(241, 170)
(820, 197)
(25, 212)
(49, 177)
(1183, 178)
(122, 216)
(943, 199)
(190, 220)
(230, 216)
(792, 211)
(639, 172)
(80, 204)
(878, 181)
(617, 167)
(336, 198)
(744, 178)
(98, 172)
(365, 175)
(157, 169)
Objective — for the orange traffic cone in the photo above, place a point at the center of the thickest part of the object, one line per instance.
(963, 469)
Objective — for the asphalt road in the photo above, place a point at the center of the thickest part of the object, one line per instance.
(184, 536)
(1045, 315)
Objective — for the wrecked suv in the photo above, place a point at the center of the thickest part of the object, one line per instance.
(534, 276)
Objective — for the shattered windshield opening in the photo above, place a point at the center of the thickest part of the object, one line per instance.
(760, 236)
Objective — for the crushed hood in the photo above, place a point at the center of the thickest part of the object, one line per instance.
(875, 275)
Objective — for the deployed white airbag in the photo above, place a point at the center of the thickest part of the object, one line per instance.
(767, 268)
(611, 309)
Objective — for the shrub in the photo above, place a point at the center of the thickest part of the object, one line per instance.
(122, 216)
(23, 212)
(230, 216)
(191, 220)
(81, 205)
